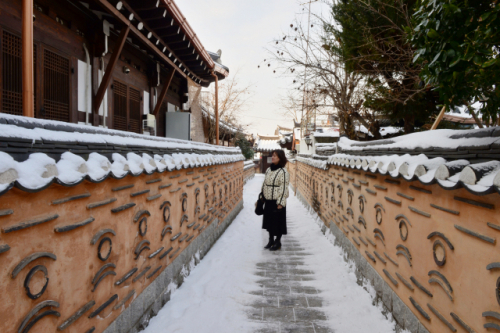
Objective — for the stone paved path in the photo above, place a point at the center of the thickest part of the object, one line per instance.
(286, 303)
(238, 287)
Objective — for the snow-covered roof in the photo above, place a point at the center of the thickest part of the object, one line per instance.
(442, 139)
(451, 158)
(264, 145)
(282, 133)
(327, 133)
(35, 153)
(387, 130)
(286, 138)
(222, 124)
(33, 130)
(217, 60)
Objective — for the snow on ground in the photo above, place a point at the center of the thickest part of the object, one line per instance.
(215, 296)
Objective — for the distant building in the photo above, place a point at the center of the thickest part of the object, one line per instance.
(265, 145)
(311, 142)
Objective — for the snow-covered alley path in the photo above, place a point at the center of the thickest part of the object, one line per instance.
(240, 287)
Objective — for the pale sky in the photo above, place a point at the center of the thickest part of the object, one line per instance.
(242, 29)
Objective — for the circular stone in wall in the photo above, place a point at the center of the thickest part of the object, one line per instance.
(361, 206)
(36, 281)
(104, 249)
(378, 216)
(403, 230)
(439, 253)
(166, 213)
(143, 226)
(184, 204)
(497, 290)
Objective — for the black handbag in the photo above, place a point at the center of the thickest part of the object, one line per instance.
(259, 205)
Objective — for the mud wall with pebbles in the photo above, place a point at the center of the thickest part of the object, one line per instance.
(431, 253)
(99, 256)
(248, 171)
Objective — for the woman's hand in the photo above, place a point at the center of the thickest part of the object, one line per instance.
(280, 206)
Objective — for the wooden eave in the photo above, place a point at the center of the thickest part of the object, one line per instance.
(158, 25)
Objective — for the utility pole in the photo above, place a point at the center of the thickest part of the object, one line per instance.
(307, 58)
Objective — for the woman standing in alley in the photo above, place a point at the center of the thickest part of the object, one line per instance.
(275, 191)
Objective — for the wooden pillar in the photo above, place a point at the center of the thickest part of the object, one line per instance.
(27, 60)
(216, 108)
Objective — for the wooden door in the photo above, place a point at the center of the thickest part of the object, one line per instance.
(126, 108)
(119, 106)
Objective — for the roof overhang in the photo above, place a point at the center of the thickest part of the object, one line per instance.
(160, 28)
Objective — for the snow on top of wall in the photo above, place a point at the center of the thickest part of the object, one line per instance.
(478, 178)
(445, 138)
(312, 162)
(248, 165)
(40, 170)
(41, 129)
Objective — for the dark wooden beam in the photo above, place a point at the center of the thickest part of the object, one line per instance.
(156, 49)
(162, 25)
(163, 93)
(177, 39)
(154, 15)
(106, 80)
(143, 3)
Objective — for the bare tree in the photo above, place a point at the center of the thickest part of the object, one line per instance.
(233, 101)
(290, 105)
(326, 85)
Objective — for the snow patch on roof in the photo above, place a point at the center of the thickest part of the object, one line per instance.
(42, 129)
(445, 138)
(267, 145)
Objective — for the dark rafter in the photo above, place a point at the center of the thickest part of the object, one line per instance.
(163, 93)
(106, 80)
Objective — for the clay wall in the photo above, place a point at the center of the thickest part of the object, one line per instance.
(433, 249)
(74, 258)
(248, 174)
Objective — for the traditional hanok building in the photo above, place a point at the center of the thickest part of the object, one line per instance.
(134, 65)
(227, 132)
(265, 145)
(97, 224)
(286, 137)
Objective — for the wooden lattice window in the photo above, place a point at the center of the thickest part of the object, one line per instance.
(12, 84)
(135, 110)
(119, 106)
(55, 99)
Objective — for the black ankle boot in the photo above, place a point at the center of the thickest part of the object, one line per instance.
(270, 244)
(276, 246)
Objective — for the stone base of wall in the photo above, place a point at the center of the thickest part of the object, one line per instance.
(391, 302)
(137, 315)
